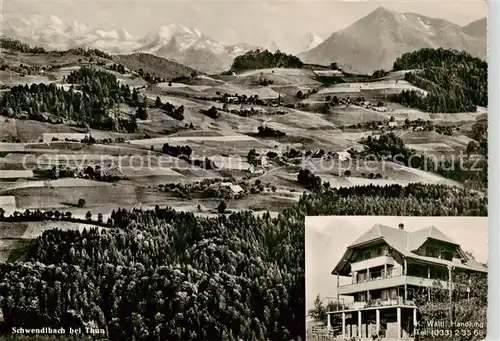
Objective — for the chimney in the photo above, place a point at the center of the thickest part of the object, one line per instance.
(401, 226)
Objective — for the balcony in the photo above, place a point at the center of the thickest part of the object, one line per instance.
(377, 303)
(372, 263)
(382, 282)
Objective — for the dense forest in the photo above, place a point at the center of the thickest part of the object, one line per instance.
(166, 275)
(387, 146)
(264, 59)
(89, 101)
(455, 81)
(309, 180)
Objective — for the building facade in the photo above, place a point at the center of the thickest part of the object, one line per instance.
(386, 268)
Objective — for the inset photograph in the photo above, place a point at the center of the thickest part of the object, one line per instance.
(396, 278)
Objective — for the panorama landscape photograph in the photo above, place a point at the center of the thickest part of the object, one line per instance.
(158, 159)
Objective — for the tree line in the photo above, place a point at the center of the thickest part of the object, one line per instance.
(170, 109)
(258, 59)
(89, 101)
(265, 131)
(12, 44)
(177, 151)
(455, 81)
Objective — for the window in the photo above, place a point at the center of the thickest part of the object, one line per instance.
(367, 254)
(362, 297)
(385, 295)
(445, 254)
(360, 256)
(383, 251)
(394, 294)
(361, 277)
(432, 252)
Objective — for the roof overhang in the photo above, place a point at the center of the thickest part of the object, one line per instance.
(440, 262)
(344, 264)
(372, 241)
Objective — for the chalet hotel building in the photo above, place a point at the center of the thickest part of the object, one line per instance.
(386, 267)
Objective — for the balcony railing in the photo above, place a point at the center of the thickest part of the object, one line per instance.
(342, 305)
(371, 276)
(387, 282)
(372, 263)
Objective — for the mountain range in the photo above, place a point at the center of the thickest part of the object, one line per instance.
(477, 28)
(373, 42)
(376, 40)
(191, 47)
(182, 44)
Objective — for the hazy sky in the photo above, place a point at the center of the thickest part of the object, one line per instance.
(327, 239)
(230, 21)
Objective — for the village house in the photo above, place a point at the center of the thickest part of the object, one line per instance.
(234, 188)
(254, 170)
(341, 156)
(386, 268)
(232, 99)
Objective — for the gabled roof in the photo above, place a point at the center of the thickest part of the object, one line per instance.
(401, 239)
(379, 231)
(418, 238)
(406, 243)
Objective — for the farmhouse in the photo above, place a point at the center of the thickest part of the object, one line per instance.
(259, 110)
(328, 73)
(253, 170)
(387, 267)
(234, 188)
(232, 99)
(341, 156)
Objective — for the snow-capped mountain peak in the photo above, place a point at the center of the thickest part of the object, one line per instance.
(313, 40)
(116, 34)
(170, 37)
(166, 32)
(376, 40)
(56, 21)
(184, 44)
(123, 34)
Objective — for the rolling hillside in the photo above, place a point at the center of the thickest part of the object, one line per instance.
(154, 65)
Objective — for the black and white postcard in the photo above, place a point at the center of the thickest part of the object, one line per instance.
(158, 160)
